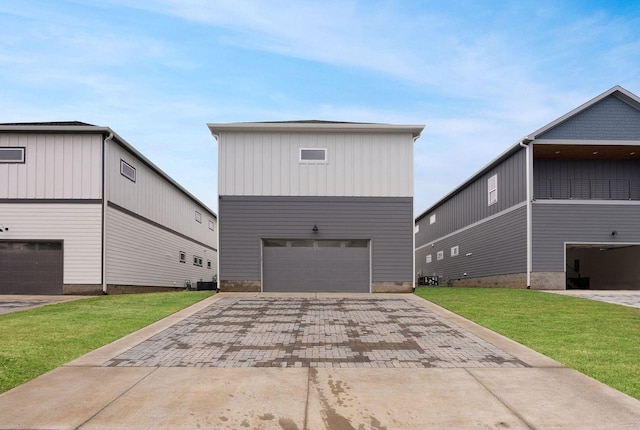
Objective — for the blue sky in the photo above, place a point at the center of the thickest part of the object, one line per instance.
(478, 74)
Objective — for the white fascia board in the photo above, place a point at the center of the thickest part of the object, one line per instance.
(217, 128)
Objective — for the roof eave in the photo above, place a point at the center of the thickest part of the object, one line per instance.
(217, 128)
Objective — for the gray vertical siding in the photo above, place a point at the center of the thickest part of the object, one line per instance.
(469, 205)
(610, 119)
(386, 221)
(554, 224)
(587, 179)
(497, 246)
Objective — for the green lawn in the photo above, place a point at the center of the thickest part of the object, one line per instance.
(35, 341)
(599, 339)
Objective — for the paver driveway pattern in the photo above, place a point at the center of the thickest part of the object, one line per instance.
(315, 332)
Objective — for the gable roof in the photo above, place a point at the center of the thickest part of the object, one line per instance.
(617, 91)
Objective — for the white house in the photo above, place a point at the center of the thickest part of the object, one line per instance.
(83, 212)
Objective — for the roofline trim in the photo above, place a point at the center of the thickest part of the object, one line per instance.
(105, 131)
(217, 128)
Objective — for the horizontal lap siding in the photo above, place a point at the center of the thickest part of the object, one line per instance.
(139, 253)
(555, 224)
(470, 204)
(244, 221)
(498, 246)
(79, 226)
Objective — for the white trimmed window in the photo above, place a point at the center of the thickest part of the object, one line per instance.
(432, 219)
(313, 155)
(183, 257)
(208, 264)
(440, 255)
(128, 171)
(492, 186)
(429, 258)
(197, 261)
(455, 250)
(12, 155)
(211, 225)
(199, 217)
(416, 229)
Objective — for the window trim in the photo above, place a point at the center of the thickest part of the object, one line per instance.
(182, 257)
(198, 216)
(13, 148)
(428, 258)
(197, 261)
(209, 264)
(323, 161)
(440, 255)
(492, 189)
(432, 219)
(135, 173)
(455, 251)
(212, 225)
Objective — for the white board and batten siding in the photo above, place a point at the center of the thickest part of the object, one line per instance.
(77, 225)
(152, 197)
(369, 164)
(57, 166)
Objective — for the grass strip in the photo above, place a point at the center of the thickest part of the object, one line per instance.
(599, 339)
(35, 341)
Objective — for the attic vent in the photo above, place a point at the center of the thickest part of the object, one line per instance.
(313, 154)
(127, 170)
(12, 155)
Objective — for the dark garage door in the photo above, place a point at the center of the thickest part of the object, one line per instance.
(315, 265)
(31, 267)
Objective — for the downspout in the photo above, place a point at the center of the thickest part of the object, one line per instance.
(528, 185)
(413, 228)
(104, 212)
(218, 278)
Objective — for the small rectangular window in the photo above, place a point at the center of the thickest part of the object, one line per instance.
(440, 255)
(199, 217)
(455, 251)
(197, 261)
(429, 258)
(12, 155)
(208, 264)
(492, 186)
(211, 225)
(317, 155)
(183, 257)
(416, 229)
(127, 170)
(274, 243)
(432, 219)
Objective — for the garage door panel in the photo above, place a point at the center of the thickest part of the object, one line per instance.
(331, 266)
(31, 268)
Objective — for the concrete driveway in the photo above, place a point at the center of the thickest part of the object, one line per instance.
(312, 362)
(12, 302)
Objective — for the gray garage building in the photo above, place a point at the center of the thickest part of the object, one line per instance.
(315, 206)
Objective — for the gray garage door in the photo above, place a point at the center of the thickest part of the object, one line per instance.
(31, 267)
(315, 265)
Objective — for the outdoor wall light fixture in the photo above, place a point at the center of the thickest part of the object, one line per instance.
(3, 228)
(613, 233)
(315, 229)
(469, 254)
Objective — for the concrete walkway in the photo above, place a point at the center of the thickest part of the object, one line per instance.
(629, 298)
(248, 361)
(13, 302)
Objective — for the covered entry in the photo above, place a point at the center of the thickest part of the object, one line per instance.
(305, 265)
(603, 266)
(31, 267)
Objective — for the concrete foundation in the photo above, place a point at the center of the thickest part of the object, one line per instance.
(82, 289)
(515, 280)
(392, 287)
(548, 281)
(131, 289)
(227, 286)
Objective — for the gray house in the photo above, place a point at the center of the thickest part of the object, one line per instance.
(559, 209)
(315, 206)
(83, 212)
